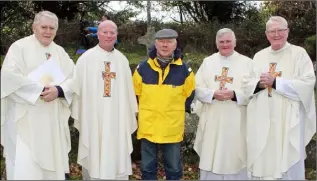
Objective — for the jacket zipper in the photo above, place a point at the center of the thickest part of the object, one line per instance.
(163, 70)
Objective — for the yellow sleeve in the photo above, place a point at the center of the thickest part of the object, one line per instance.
(189, 85)
(137, 82)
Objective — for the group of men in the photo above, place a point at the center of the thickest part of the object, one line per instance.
(255, 116)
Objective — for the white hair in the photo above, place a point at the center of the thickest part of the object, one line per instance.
(282, 21)
(47, 14)
(223, 31)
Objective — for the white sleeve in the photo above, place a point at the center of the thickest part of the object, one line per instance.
(285, 88)
(30, 93)
(68, 93)
(241, 98)
(204, 94)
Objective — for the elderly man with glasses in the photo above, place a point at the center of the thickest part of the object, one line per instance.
(281, 117)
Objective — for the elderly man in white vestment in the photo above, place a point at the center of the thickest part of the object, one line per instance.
(281, 117)
(34, 114)
(104, 109)
(220, 138)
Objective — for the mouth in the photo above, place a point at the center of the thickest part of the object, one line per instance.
(276, 38)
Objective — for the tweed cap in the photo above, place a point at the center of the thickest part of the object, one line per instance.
(166, 34)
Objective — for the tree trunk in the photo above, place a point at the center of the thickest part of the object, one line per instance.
(148, 10)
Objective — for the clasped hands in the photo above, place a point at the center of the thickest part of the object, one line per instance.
(266, 80)
(223, 95)
(50, 93)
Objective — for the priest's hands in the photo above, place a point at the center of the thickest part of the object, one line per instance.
(49, 94)
(266, 80)
(223, 95)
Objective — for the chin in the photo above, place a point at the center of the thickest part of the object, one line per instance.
(45, 43)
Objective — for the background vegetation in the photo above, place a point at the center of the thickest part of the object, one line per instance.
(199, 22)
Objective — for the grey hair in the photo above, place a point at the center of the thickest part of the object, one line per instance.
(282, 21)
(223, 31)
(47, 14)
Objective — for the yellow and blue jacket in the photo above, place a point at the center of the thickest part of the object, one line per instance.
(163, 96)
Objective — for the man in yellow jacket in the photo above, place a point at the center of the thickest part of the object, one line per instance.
(165, 86)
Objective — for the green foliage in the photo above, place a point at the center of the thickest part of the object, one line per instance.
(300, 15)
(208, 11)
(72, 53)
(310, 46)
(1, 59)
(194, 60)
(91, 11)
(63, 9)
(16, 18)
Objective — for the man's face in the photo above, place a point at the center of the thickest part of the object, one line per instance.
(226, 44)
(165, 47)
(107, 36)
(45, 31)
(277, 35)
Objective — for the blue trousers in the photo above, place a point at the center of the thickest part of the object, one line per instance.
(172, 160)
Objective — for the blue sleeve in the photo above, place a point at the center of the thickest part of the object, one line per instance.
(189, 101)
(60, 91)
(93, 29)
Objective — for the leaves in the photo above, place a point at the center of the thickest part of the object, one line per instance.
(190, 172)
(300, 15)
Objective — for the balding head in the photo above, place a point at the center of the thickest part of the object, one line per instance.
(107, 34)
(108, 23)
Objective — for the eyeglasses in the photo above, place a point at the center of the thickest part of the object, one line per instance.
(279, 31)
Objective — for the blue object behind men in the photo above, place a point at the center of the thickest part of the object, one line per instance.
(94, 29)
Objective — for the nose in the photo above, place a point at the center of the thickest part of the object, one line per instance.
(48, 31)
(164, 43)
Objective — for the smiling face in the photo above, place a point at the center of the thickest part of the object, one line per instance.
(226, 44)
(45, 30)
(107, 35)
(277, 34)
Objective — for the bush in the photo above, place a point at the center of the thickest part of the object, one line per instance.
(310, 46)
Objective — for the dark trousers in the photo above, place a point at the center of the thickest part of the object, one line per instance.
(171, 157)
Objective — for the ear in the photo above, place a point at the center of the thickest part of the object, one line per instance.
(33, 28)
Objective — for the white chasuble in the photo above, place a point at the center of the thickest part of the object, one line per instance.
(220, 138)
(104, 110)
(34, 133)
(280, 124)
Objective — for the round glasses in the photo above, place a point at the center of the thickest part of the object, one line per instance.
(278, 31)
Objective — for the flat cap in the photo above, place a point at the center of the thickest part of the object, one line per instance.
(166, 34)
